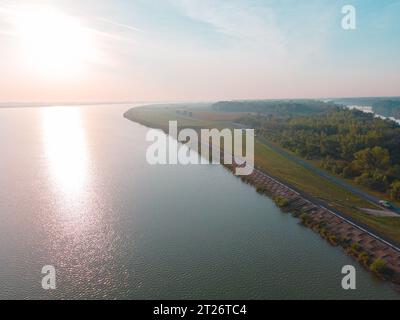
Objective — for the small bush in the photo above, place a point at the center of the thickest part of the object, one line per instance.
(378, 266)
(281, 202)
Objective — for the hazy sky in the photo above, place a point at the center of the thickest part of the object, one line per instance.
(109, 50)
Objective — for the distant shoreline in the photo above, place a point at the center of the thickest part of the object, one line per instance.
(14, 104)
(70, 104)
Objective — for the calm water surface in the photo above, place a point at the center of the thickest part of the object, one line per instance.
(77, 193)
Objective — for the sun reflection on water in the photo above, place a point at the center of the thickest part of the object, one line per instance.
(81, 241)
(65, 149)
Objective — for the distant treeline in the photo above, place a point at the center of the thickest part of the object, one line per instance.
(387, 107)
(349, 143)
(279, 108)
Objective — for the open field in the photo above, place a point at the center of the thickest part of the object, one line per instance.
(158, 117)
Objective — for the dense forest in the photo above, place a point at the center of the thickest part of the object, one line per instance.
(275, 107)
(349, 143)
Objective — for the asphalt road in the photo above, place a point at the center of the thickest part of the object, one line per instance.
(362, 194)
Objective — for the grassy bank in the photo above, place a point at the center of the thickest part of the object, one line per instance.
(276, 165)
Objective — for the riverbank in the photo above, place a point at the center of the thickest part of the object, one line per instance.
(374, 252)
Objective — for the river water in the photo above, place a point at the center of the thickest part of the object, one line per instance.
(76, 193)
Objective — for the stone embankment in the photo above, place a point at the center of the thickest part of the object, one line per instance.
(370, 250)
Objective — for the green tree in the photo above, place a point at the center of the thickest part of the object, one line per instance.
(395, 190)
(374, 180)
(373, 159)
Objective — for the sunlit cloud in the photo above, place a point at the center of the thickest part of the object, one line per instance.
(237, 19)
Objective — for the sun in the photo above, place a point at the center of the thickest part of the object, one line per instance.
(52, 42)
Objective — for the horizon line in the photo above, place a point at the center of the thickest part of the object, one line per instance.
(55, 103)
